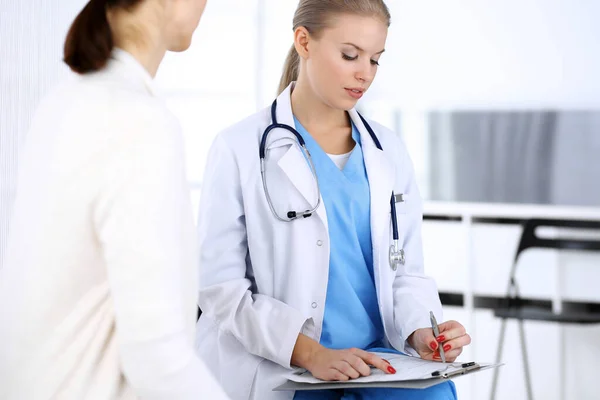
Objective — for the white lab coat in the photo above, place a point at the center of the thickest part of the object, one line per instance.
(264, 281)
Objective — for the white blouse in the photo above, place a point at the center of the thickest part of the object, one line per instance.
(98, 289)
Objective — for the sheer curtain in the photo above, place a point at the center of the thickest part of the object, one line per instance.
(31, 39)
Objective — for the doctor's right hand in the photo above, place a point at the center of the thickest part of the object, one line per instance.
(336, 365)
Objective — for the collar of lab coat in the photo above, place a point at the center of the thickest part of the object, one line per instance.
(134, 72)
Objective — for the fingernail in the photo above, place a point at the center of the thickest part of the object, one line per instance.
(441, 338)
(436, 353)
(433, 345)
(447, 347)
(385, 360)
(437, 357)
(391, 370)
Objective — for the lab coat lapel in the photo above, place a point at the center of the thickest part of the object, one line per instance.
(293, 163)
(381, 174)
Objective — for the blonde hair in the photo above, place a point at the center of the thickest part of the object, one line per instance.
(315, 16)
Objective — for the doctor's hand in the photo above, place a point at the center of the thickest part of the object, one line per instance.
(453, 337)
(336, 365)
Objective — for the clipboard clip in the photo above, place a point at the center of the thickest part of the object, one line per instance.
(464, 368)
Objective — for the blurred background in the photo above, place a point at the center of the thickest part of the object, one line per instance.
(499, 105)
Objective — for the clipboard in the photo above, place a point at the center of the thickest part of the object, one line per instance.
(422, 383)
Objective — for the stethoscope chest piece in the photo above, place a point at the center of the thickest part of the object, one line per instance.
(396, 256)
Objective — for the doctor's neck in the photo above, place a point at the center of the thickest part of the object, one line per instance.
(311, 111)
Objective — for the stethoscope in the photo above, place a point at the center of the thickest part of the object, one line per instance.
(396, 253)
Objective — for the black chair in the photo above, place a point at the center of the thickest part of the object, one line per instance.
(514, 307)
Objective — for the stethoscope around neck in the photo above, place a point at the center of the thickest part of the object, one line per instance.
(396, 254)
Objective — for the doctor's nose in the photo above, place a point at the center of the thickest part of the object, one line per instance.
(365, 75)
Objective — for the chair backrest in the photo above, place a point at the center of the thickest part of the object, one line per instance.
(529, 239)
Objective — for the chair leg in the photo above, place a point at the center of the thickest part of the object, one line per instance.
(525, 360)
(498, 358)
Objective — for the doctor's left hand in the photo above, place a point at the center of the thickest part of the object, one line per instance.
(453, 337)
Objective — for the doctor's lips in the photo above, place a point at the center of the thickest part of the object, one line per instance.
(355, 93)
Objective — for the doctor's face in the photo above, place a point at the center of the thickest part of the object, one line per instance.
(342, 62)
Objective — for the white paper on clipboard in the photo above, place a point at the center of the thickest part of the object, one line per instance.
(407, 368)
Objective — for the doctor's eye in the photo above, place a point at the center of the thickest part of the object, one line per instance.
(347, 57)
(375, 62)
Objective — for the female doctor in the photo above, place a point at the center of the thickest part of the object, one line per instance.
(300, 263)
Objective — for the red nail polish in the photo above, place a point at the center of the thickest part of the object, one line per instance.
(391, 370)
(433, 345)
(441, 338)
(447, 347)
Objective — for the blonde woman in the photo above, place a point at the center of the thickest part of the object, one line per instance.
(97, 293)
(295, 244)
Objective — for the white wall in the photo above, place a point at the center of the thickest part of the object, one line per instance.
(509, 53)
(214, 83)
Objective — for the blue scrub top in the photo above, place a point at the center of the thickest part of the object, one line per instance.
(352, 317)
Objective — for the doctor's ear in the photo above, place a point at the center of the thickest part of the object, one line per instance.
(301, 39)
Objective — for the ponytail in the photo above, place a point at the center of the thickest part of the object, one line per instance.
(89, 42)
(290, 69)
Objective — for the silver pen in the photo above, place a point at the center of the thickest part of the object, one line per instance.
(436, 333)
